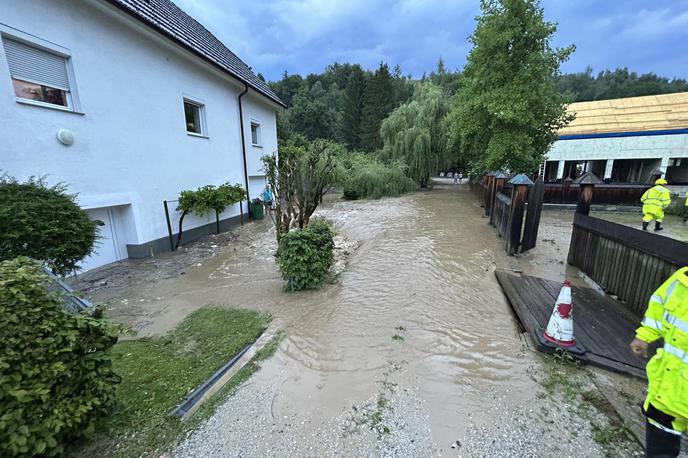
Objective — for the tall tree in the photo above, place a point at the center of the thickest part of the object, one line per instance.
(352, 108)
(508, 111)
(378, 103)
(416, 134)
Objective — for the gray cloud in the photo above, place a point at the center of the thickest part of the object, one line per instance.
(303, 36)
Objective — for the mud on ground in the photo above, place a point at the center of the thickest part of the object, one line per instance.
(412, 351)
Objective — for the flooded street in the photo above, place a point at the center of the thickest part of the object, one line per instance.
(412, 348)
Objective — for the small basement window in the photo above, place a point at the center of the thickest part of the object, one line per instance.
(194, 114)
(255, 133)
(37, 75)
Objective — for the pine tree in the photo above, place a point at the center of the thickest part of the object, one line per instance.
(352, 108)
(378, 103)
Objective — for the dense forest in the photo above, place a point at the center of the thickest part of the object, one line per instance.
(347, 104)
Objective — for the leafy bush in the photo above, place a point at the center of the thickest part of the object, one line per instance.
(365, 177)
(305, 255)
(55, 371)
(208, 199)
(45, 223)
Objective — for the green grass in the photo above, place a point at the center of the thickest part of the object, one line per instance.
(158, 373)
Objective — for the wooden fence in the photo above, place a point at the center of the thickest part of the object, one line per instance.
(624, 261)
(612, 194)
(506, 204)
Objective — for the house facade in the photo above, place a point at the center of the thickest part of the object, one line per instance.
(129, 102)
(625, 140)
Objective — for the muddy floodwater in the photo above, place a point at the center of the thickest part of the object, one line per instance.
(416, 319)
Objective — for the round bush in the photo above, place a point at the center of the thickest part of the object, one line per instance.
(43, 223)
(55, 371)
(305, 255)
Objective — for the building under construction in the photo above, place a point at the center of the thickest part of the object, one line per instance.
(626, 140)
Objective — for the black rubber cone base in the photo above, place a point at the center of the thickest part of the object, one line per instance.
(551, 347)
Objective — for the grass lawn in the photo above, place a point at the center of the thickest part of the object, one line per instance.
(157, 373)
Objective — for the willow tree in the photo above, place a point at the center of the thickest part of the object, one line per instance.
(508, 110)
(416, 133)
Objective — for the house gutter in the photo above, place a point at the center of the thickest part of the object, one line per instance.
(243, 148)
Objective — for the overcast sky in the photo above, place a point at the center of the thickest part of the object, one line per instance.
(304, 36)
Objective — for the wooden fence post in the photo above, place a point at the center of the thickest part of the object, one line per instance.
(586, 183)
(521, 182)
(489, 198)
(565, 189)
(499, 180)
(535, 200)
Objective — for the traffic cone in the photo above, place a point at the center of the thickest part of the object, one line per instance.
(560, 327)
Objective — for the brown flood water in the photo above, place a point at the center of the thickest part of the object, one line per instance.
(424, 270)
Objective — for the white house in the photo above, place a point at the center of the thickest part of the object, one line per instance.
(624, 140)
(129, 102)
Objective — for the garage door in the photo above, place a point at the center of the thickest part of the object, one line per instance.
(106, 250)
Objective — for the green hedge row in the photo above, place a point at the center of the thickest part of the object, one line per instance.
(56, 377)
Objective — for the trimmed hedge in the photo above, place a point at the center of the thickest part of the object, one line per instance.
(43, 222)
(305, 255)
(55, 372)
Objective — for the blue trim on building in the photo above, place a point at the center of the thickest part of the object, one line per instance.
(625, 134)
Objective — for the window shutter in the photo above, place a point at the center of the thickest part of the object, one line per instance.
(36, 65)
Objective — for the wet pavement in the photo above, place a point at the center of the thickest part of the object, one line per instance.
(412, 351)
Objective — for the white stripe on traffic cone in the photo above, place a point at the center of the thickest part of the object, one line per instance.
(560, 326)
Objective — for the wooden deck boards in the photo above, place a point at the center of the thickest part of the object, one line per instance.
(603, 326)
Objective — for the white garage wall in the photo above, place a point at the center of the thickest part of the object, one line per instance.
(131, 138)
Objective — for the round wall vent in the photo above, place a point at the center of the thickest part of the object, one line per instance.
(65, 137)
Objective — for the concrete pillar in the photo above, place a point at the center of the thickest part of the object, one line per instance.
(560, 170)
(608, 169)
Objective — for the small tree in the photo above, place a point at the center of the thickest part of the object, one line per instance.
(299, 177)
(56, 376)
(508, 111)
(44, 222)
(207, 199)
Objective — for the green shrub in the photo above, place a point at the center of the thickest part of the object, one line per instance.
(55, 371)
(44, 223)
(363, 176)
(305, 255)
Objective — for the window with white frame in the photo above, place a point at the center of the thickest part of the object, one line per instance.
(194, 114)
(255, 133)
(38, 75)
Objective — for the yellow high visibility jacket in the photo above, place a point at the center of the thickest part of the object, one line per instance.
(655, 200)
(687, 199)
(667, 318)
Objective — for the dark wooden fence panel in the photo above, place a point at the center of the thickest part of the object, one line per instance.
(611, 194)
(501, 214)
(624, 261)
(534, 210)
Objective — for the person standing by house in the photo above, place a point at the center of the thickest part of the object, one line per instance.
(456, 177)
(460, 176)
(655, 200)
(666, 405)
(266, 197)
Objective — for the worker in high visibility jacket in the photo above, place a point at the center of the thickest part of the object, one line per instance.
(666, 405)
(655, 200)
(685, 210)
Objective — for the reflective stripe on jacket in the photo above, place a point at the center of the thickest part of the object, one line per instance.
(655, 199)
(667, 318)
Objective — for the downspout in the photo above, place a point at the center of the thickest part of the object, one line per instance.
(243, 149)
